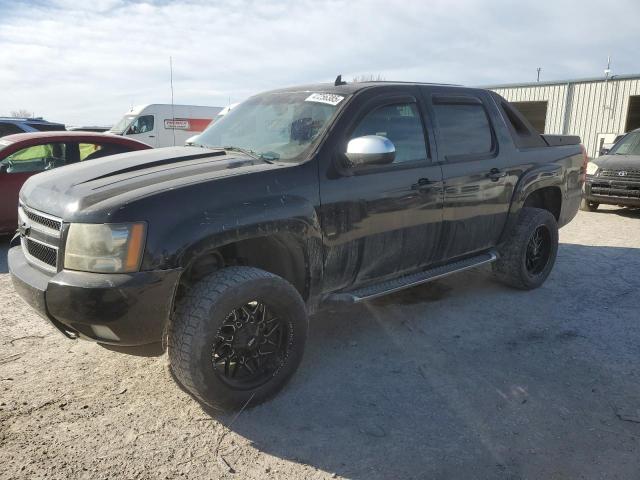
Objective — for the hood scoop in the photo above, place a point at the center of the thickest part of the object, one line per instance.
(157, 163)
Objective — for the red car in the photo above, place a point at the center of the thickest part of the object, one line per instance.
(25, 154)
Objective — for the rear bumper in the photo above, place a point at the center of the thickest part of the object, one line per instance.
(612, 192)
(118, 309)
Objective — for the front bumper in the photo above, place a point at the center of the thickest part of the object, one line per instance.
(612, 192)
(118, 309)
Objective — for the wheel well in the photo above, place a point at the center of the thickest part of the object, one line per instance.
(547, 198)
(280, 254)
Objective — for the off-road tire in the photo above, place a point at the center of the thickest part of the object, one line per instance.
(587, 206)
(511, 267)
(199, 315)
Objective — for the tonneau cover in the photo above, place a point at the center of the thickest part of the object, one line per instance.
(559, 140)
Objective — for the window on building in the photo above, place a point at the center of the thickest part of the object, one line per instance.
(633, 114)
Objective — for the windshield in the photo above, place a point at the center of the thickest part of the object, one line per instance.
(629, 145)
(122, 125)
(275, 126)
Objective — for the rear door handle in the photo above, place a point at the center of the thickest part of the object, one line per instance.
(495, 174)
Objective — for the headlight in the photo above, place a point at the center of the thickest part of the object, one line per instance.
(105, 248)
(592, 168)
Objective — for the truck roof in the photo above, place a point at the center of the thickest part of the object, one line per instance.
(349, 88)
(38, 120)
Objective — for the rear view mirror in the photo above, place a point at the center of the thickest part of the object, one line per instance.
(370, 150)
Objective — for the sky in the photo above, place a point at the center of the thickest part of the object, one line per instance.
(86, 62)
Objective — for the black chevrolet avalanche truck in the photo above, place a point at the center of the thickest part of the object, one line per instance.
(298, 198)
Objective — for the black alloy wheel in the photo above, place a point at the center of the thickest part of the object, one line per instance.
(250, 347)
(538, 250)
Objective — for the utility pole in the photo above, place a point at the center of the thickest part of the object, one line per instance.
(173, 115)
(539, 69)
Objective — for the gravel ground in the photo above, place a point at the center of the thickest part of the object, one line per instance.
(462, 378)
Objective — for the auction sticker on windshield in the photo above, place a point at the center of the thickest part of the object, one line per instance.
(327, 98)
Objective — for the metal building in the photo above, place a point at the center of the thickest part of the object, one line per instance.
(597, 109)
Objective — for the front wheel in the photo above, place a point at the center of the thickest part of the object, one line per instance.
(237, 337)
(588, 206)
(527, 257)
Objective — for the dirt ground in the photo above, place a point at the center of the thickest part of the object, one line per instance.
(462, 378)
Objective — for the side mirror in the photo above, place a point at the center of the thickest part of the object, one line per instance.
(370, 150)
(3, 167)
(604, 151)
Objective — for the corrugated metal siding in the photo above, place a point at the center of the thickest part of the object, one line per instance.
(594, 107)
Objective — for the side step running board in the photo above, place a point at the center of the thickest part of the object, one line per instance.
(406, 281)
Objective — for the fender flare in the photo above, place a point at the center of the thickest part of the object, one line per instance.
(542, 176)
(303, 230)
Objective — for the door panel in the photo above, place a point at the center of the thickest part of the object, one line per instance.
(475, 207)
(10, 185)
(379, 225)
(475, 169)
(386, 221)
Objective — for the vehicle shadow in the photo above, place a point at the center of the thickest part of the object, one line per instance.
(465, 378)
(4, 249)
(628, 212)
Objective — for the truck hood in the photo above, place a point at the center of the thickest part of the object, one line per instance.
(111, 182)
(618, 162)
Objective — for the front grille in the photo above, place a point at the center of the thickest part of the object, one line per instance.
(626, 174)
(625, 191)
(47, 222)
(42, 252)
(40, 237)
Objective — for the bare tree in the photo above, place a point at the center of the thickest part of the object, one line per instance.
(21, 113)
(370, 77)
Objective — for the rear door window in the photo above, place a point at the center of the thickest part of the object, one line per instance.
(464, 129)
(91, 151)
(47, 127)
(9, 129)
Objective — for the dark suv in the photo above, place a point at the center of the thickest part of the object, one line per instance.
(297, 198)
(614, 178)
(11, 126)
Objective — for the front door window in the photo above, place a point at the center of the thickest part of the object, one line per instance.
(35, 158)
(142, 124)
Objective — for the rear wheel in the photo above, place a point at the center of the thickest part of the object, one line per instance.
(588, 206)
(527, 257)
(237, 337)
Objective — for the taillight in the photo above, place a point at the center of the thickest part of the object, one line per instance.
(585, 160)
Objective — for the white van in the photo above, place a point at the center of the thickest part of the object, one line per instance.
(164, 125)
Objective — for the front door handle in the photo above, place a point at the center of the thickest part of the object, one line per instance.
(495, 174)
(421, 184)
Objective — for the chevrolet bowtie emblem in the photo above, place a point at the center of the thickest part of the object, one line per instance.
(24, 230)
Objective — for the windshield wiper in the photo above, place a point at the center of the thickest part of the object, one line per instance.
(269, 156)
(246, 151)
